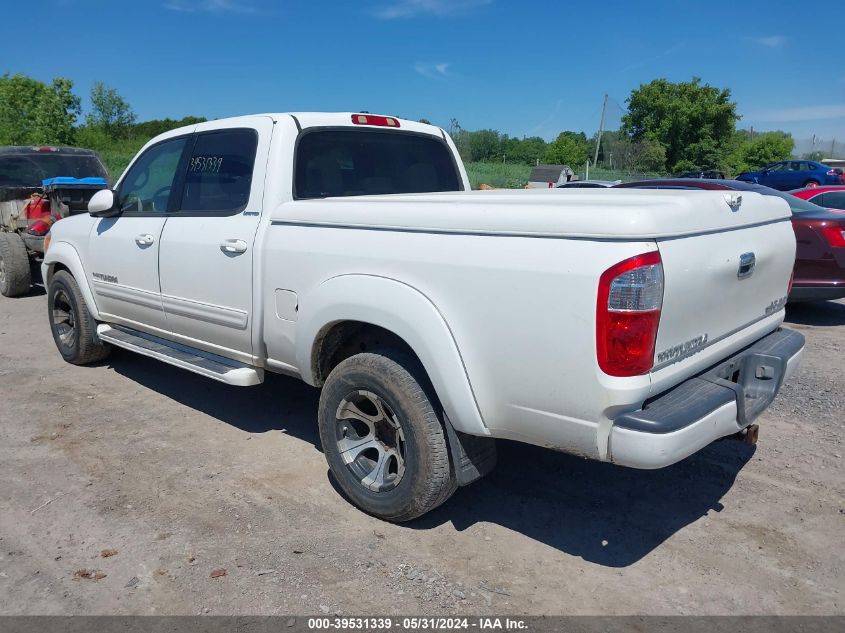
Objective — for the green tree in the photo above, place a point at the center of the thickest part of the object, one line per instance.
(154, 127)
(569, 148)
(643, 156)
(34, 113)
(751, 154)
(694, 122)
(527, 150)
(484, 145)
(110, 111)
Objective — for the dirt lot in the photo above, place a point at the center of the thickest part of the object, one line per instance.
(125, 486)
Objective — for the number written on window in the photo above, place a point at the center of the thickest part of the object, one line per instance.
(205, 164)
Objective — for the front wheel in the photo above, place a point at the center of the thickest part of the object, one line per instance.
(74, 329)
(383, 437)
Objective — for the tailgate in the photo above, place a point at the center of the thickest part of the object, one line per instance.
(719, 284)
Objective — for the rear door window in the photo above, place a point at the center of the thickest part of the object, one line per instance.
(358, 162)
(218, 173)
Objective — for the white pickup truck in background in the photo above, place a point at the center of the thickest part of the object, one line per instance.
(630, 326)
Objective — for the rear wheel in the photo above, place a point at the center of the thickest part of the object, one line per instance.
(73, 327)
(15, 278)
(812, 184)
(383, 437)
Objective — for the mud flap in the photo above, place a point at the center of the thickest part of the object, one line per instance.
(472, 456)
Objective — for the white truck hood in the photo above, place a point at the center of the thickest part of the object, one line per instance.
(617, 214)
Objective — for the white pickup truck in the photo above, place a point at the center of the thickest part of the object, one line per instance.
(630, 326)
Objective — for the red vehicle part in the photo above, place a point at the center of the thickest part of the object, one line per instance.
(37, 207)
(831, 197)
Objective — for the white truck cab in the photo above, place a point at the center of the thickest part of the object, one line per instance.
(632, 326)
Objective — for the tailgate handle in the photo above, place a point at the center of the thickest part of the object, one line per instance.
(746, 265)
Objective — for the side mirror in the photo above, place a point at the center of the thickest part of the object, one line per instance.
(102, 204)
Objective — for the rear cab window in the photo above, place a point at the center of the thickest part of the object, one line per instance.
(356, 162)
(29, 169)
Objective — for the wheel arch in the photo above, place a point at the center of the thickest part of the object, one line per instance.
(374, 306)
(63, 256)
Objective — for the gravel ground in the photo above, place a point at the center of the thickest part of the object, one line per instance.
(136, 488)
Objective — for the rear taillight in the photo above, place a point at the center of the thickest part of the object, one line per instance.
(833, 172)
(835, 235)
(41, 227)
(630, 297)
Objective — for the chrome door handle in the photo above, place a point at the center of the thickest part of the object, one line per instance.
(233, 246)
(144, 240)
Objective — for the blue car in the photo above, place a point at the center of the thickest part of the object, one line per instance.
(794, 174)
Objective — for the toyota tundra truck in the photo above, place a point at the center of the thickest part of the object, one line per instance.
(627, 326)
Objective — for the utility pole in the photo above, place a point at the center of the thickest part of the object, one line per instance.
(601, 130)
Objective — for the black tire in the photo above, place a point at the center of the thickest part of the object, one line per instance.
(402, 389)
(15, 277)
(811, 183)
(74, 329)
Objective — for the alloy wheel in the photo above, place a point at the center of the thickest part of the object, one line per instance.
(370, 440)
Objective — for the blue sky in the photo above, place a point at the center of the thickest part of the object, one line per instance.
(524, 68)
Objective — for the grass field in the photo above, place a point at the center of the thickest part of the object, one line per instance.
(115, 161)
(499, 175)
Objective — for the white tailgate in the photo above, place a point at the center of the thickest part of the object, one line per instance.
(707, 299)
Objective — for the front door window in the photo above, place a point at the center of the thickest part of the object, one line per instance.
(146, 188)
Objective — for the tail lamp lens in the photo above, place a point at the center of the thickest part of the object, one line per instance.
(630, 297)
(835, 235)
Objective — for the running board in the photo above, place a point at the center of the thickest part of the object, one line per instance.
(200, 362)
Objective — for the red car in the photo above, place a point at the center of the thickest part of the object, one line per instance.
(832, 197)
(819, 272)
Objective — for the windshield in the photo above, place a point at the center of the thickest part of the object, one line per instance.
(28, 170)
